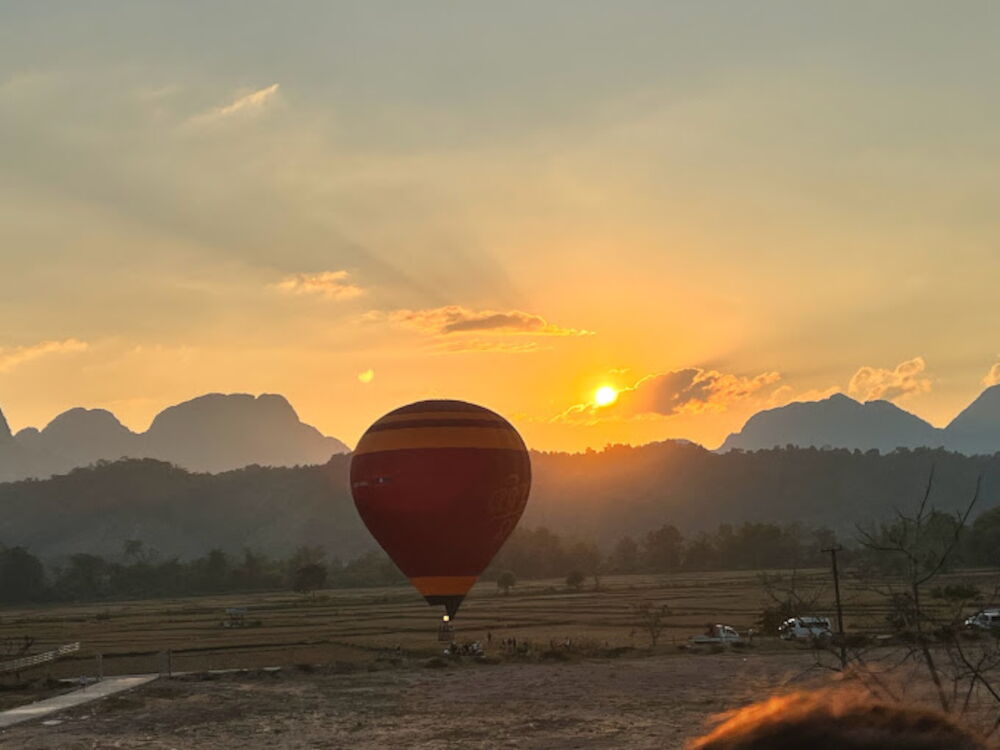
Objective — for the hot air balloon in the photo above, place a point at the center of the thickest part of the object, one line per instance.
(441, 485)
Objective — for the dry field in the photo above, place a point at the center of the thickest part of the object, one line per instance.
(354, 625)
(343, 688)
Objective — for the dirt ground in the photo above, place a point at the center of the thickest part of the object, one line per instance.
(657, 702)
(363, 700)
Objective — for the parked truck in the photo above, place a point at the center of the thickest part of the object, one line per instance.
(717, 634)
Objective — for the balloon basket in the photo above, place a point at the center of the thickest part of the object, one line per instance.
(446, 632)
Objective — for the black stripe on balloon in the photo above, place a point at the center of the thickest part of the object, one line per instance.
(450, 602)
(384, 426)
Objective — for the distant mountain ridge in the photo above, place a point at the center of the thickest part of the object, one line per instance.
(596, 496)
(842, 422)
(215, 432)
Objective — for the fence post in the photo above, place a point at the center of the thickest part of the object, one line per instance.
(100, 667)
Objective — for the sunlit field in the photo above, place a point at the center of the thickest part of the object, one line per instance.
(356, 625)
(355, 664)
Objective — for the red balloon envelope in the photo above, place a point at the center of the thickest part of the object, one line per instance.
(440, 485)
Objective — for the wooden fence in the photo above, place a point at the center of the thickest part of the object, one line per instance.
(17, 665)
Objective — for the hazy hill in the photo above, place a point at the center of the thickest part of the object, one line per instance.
(218, 432)
(977, 428)
(215, 432)
(838, 422)
(79, 437)
(842, 422)
(597, 495)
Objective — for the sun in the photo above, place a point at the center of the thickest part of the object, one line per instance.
(605, 395)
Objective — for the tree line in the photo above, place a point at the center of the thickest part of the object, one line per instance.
(530, 553)
(139, 573)
(542, 553)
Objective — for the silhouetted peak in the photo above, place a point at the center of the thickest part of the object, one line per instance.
(78, 421)
(4, 429)
(976, 430)
(219, 431)
(839, 398)
(28, 437)
(225, 408)
(836, 421)
(214, 432)
(986, 408)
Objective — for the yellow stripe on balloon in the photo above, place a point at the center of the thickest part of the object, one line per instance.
(408, 438)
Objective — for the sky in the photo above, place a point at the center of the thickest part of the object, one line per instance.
(711, 207)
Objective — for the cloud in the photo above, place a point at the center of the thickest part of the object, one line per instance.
(873, 383)
(993, 376)
(689, 390)
(692, 390)
(12, 357)
(464, 345)
(367, 376)
(454, 319)
(246, 104)
(329, 284)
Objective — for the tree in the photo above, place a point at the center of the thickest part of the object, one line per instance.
(506, 581)
(211, 572)
(132, 550)
(662, 549)
(22, 577)
(309, 578)
(625, 556)
(984, 538)
(306, 555)
(86, 578)
(255, 571)
(902, 562)
(701, 553)
(575, 579)
(920, 547)
(651, 617)
(587, 558)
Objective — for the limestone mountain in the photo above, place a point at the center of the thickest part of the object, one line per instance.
(79, 437)
(976, 430)
(215, 432)
(218, 432)
(836, 422)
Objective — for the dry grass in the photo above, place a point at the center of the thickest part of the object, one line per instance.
(354, 625)
(356, 697)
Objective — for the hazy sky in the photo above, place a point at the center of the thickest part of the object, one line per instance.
(721, 206)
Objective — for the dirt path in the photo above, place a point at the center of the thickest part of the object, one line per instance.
(637, 703)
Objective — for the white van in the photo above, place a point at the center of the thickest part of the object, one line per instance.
(988, 619)
(805, 628)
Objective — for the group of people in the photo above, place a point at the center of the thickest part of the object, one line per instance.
(474, 648)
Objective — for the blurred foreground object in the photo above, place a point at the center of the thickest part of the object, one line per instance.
(833, 720)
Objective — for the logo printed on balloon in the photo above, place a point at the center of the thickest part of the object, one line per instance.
(441, 485)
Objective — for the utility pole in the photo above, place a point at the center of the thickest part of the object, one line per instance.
(840, 612)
